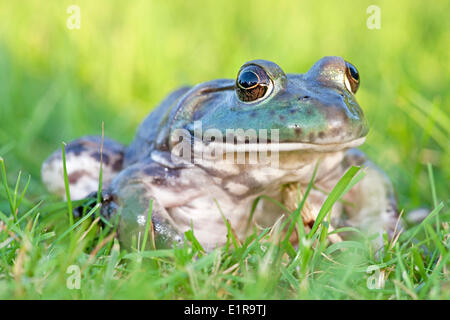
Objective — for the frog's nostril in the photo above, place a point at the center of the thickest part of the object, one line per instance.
(304, 98)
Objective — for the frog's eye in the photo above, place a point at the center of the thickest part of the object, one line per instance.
(351, 77)
(253, 83)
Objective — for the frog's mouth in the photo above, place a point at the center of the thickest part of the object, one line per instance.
(223, 147)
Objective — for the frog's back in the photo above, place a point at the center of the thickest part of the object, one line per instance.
(146, 139)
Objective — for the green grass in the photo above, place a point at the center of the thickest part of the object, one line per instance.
(58, 84)
(36, 262)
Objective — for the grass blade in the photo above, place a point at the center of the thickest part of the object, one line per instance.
(148, 225)
(66, 184)
(84, 218)
(338, 191)
(5, 185)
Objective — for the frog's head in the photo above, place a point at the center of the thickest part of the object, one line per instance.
(312, 111)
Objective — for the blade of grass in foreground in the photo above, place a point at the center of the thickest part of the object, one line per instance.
(344, 184)
(299, 208)
(148, 225)
(21, 197)
(66, 184)
(77, 224)
(413, 232)
(16, 190)
(5, 185)
(433, 193)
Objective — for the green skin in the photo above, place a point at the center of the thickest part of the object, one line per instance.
(316, 115)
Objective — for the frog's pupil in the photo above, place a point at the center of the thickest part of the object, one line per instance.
(248, 79)
(353, 72)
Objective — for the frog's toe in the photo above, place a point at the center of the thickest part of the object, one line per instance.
(416, 216)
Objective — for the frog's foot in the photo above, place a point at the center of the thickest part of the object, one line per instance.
(107, 204)
(131, 213)
(83, 166)
(134, 225)
(131, 198)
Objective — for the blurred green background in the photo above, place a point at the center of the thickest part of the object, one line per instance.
(57, 84)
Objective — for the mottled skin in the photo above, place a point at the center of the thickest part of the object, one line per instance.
(317, 118)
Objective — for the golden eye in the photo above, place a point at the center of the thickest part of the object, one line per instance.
(252, 83)
(351, 77)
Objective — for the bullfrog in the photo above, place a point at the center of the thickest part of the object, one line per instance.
(204, 156)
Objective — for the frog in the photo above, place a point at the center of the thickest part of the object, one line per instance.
(181, 172)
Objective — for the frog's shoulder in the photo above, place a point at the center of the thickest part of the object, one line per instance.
(149, 130)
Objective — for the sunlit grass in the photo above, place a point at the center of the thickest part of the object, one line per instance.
(34, 262)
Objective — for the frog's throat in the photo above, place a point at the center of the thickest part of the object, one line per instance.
(277, 147)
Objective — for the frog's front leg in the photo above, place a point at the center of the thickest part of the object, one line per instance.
(129, 196)
(372, 204)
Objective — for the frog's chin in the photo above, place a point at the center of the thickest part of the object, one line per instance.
(281, 147)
